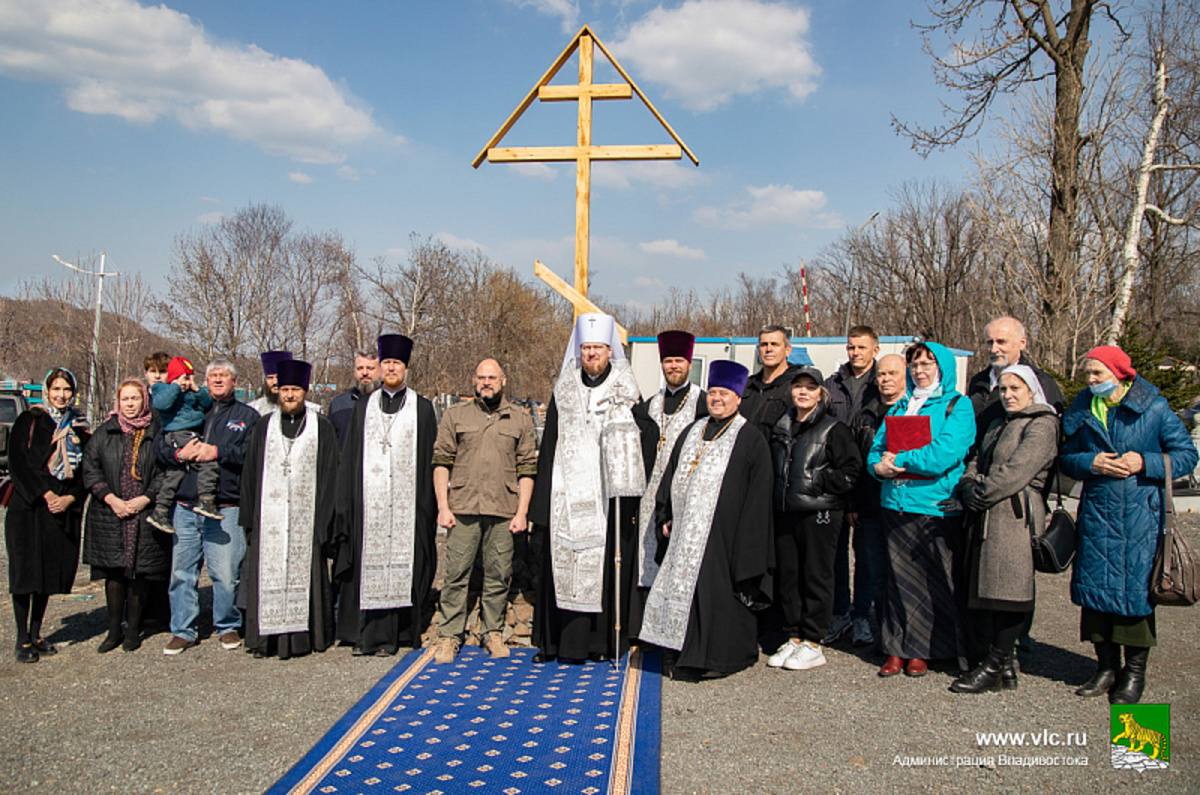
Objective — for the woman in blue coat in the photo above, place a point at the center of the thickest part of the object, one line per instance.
(921, 619)
(1117, 432)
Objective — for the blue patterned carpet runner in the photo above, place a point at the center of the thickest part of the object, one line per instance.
(493, 726)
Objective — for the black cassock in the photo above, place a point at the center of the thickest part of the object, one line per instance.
(651, 433)
(385, 631)
(568, 633)
(320, 604)
(722, 632)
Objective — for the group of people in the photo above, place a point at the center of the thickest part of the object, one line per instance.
(709, 523)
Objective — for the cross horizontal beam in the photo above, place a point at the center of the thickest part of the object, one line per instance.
(595, 91)
(522, 154)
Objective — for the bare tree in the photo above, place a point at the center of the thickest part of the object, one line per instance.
(1017, 43)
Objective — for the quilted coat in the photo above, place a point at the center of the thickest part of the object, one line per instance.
(1120, 519)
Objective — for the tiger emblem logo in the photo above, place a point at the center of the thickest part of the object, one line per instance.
(1139, 736)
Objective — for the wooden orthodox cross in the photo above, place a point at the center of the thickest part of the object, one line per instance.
(583, 153)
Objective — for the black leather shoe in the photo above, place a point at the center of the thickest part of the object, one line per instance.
(1132, 679)
(110, 642)
(599, 657)
(541, 657)
(357, 651)
(1108, 661)
(26, 653)
(133, 642)
(45, 648)
(985, 676)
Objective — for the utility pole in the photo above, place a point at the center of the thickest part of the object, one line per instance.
(94, 369)
(854, 269)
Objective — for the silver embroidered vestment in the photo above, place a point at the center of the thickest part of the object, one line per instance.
(670, 426)
(694, 495)
(598, 457)
(287, 508)
(389, 492)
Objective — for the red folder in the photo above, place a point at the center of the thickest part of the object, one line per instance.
(907, 433)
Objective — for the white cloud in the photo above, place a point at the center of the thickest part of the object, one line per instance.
(348, 172)
(648, 283)
(300, 177)
(671, 248)
(623, 175)
(210, 218)
(116, 57)
(210, 199)
(462, 243)
(537, 172)
(706, 52)
(566, 10)
(772, 205)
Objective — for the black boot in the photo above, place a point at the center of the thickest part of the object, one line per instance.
(1108, 658)
(986, 675)
(1132, 680)
(1008, 677)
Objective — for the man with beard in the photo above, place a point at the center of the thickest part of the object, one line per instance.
(268, 401)
(590, 459)
(287, 510)
(484, 460)
(366, 381)
(386, 512)
(665, 415)
(713, 513)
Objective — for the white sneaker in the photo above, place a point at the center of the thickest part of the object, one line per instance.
(862, 632)
(839, 627)
(808, 656)
(785, 651)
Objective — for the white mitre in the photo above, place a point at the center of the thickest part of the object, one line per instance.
(593, 327)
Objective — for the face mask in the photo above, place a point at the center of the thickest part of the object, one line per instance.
(1103, 389)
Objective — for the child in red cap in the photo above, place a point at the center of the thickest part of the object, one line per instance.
(181, 406)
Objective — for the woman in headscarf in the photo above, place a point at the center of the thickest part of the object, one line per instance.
(919, 473)
(122, 547)
(41, 529)
(1118, 430)
(1003, 492)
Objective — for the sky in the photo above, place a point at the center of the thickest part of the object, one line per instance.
(126, 124)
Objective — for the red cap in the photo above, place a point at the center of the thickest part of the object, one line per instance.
(1114, 359)
(179, 366)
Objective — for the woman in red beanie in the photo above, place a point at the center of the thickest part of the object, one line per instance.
(1117, 432)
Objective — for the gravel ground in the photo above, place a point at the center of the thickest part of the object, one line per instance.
(211, 720)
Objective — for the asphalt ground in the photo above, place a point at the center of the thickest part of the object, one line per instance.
(211, 720)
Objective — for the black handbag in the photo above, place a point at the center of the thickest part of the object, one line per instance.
(1054, 548)
(1175, 578)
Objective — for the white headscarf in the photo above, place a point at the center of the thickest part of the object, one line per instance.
(922, 393)
(1026, 374)
(594, 327)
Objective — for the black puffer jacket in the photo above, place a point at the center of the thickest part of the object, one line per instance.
(102, 542)
(816, 462)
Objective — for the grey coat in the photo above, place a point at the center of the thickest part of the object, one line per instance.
(1007, 474)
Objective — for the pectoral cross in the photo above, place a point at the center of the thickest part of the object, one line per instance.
(661, 439)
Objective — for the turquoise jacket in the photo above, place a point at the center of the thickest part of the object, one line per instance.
(953, 432)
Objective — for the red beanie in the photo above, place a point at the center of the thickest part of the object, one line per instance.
(177, 367)
(1114, 359)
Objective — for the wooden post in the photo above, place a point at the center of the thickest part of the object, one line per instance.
(583, 168)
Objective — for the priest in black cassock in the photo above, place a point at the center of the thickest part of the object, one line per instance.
(387, 512)
(666, 414)
(590, 472)
(713, 512)
(287, 509)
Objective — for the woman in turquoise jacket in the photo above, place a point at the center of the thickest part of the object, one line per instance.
(921, 618)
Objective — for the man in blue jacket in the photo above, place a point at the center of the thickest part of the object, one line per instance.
(220, 544)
